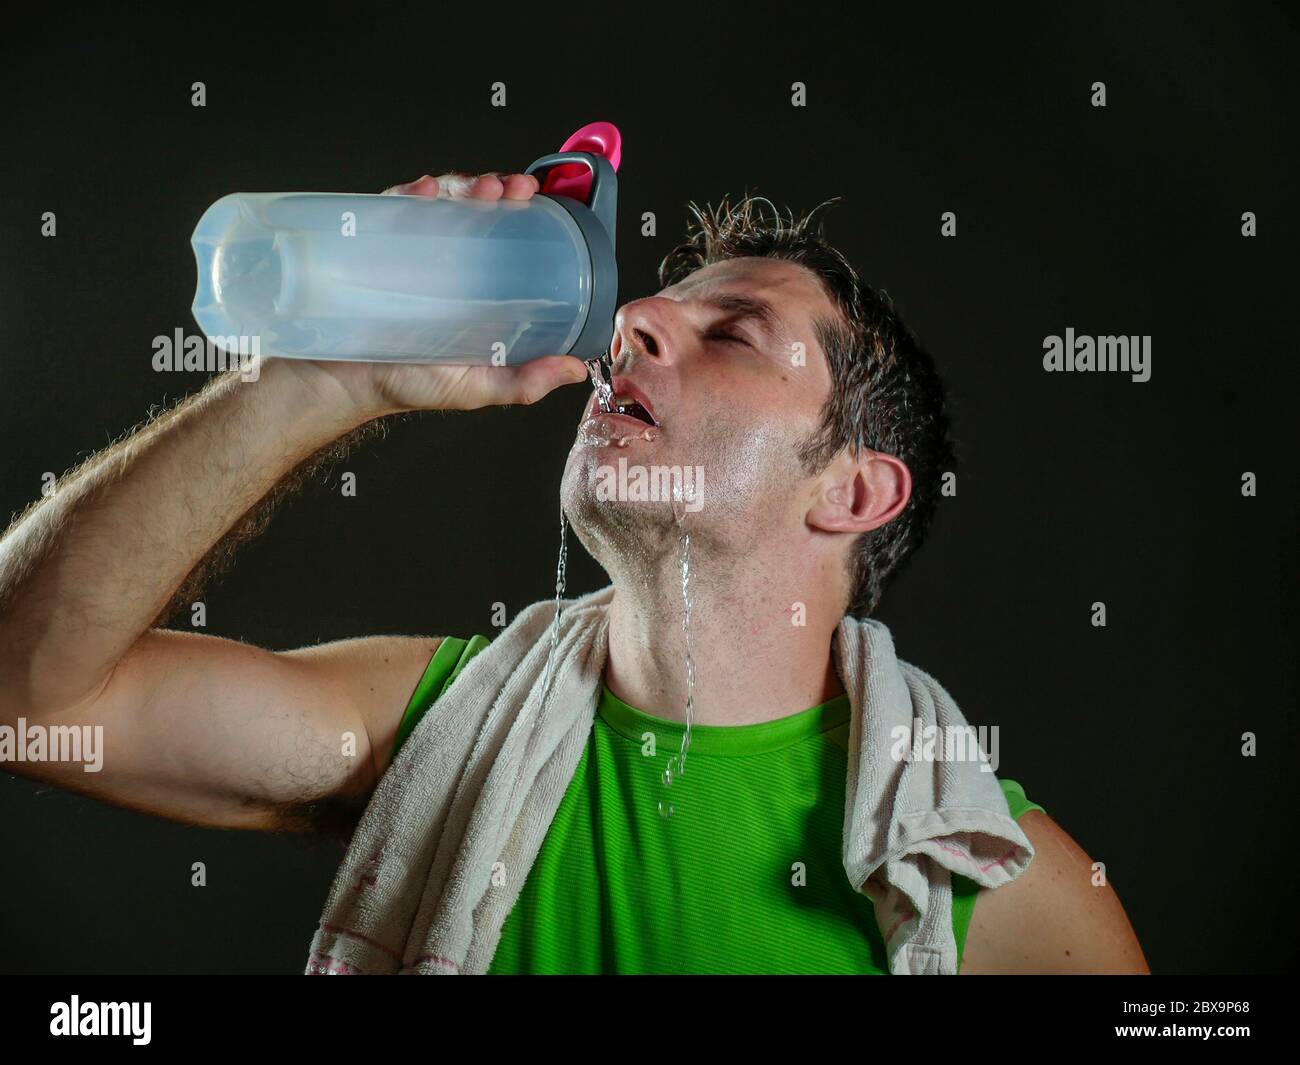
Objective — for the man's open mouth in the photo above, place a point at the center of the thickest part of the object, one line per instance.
(629, 407)
(630, 402)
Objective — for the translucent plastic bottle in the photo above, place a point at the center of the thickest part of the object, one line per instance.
(319, 275)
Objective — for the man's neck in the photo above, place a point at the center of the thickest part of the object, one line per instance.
(753, 662)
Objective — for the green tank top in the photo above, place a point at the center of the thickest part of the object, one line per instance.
(746, 876)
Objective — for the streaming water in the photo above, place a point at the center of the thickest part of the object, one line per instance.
(547, 677)
(560, 579)
(601, 371)
(666, 808)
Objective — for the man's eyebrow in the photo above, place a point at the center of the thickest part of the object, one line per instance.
(749, 307)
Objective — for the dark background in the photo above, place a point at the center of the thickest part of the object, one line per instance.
(1075, 487)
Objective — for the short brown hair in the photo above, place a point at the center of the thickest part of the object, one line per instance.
(886, 394)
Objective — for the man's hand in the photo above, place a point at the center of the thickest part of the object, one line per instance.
(385, 388)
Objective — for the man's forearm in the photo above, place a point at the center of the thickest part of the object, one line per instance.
(86, 571)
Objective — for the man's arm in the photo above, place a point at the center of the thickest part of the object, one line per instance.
(214, 732)
(1052, 919)
(195, 727)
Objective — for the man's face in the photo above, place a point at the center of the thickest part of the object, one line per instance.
(729, 367)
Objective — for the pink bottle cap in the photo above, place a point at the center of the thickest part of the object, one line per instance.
(574, 179)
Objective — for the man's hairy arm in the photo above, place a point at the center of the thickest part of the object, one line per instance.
(194, 727)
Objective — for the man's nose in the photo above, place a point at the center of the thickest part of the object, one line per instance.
(643, 329)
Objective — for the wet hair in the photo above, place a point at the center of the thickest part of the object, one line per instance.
(886, 394)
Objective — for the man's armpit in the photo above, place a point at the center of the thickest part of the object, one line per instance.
(335, 818)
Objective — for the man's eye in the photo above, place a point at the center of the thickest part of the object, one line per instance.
(719, 335)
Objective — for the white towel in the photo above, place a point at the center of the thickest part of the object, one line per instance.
(453, 828)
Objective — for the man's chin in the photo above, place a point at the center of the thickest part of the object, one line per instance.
(614, 529)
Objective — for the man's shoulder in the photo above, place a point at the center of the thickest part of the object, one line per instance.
(1059, 916)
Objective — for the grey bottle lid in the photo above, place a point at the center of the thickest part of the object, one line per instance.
(596, 221)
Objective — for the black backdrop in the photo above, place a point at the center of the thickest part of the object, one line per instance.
(1075, 488)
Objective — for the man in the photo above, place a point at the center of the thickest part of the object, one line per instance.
(817, 420)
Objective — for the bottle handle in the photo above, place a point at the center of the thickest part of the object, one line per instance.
(602, 199)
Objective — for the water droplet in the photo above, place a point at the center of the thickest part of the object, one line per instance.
(666, 809)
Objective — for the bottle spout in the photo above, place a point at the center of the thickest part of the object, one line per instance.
(573, 179)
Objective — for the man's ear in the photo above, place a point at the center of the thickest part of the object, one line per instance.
(856, 495)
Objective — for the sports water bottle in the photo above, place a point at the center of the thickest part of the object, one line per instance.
(378, 278)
